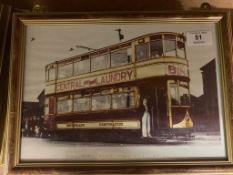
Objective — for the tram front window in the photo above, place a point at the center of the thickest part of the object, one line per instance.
(179, 94)
(142, 51)
(170, 45)
(50, 74)
(180, 47)
(174, 94)
(156, 46)
(184, 97)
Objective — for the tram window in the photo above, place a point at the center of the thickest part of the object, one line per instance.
(169, 45)
(82, 104)
(184, 96)
(156, 48)
(52, 102)
(119, 100)
(101, 102)
(50, 74)
(100, 62)
(64, 104)
(82, 67)
(125, 99)
(180, 48)
(174, 94)
(120, 57)
(179, 93)
(142, 51)
(46, 106)
(65, 70)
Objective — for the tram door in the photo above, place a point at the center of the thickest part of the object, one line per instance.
(156, 97)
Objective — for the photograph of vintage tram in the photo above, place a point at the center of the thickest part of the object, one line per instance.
(137, 88)
(106, 89)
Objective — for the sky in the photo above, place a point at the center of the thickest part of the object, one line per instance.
(53, 42)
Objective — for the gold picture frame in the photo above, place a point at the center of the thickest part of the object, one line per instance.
(120, 90)
(5, 16)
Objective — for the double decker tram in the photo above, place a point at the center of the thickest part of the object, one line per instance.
(103, 94)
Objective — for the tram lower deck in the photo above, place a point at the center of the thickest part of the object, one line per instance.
(116, 114)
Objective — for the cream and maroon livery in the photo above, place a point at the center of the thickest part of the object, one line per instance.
(103, 89)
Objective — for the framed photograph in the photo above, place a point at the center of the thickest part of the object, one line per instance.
(121, 89)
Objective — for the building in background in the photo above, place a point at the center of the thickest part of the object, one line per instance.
(32, 120)
(205, 107)
(210, 95)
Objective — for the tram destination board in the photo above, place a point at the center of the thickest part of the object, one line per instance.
(125, 89)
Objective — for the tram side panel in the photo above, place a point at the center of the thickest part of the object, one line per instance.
(95, 125)
(109, 127)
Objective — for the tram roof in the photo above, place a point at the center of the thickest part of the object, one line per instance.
(77, 57)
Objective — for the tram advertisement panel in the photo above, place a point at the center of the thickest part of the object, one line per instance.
(108, 87)
(109, 78)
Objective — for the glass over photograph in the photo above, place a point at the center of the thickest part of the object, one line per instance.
(122, 91)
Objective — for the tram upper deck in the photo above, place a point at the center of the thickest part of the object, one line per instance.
(151, 55)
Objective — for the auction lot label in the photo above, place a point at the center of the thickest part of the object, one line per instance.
(199, 38)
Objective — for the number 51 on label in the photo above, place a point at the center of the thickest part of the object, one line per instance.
(197, 38)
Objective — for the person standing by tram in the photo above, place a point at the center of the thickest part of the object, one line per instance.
(146, 120)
